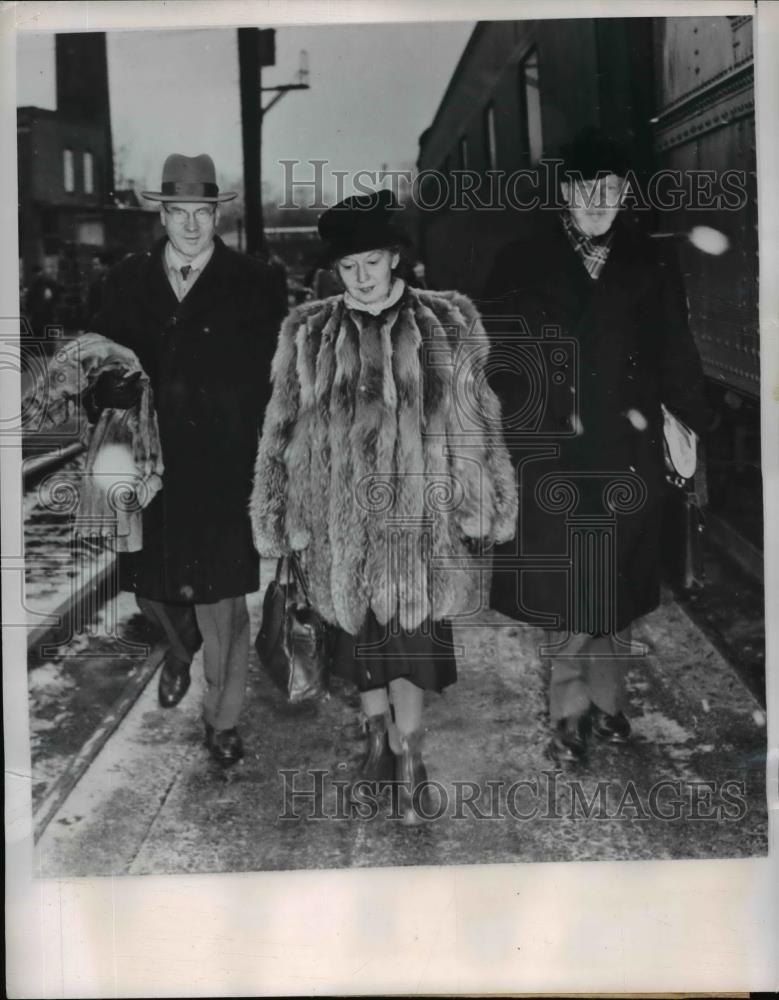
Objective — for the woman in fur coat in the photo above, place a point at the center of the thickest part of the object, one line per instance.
(382, 462)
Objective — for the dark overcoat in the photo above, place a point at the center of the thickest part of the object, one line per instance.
(583, 369)
(208, 358)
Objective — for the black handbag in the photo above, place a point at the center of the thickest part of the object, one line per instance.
(292, 643)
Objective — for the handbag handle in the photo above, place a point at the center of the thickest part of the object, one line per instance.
(279, 567)
(300, 577)
(294, 570)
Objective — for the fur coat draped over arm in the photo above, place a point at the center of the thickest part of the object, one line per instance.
(381, 452)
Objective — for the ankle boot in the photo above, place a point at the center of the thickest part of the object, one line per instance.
(377, 766)
(411, 793)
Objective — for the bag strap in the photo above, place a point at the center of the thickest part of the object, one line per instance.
(300, 576)
(280, 566)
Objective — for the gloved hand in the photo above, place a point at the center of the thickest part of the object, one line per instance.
(112, 389)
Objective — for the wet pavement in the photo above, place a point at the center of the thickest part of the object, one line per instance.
(73, 688)
(79, 669)
(691, 784)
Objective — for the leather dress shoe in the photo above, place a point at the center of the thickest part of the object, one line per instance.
(174, 681)
(225, 745)
(609, 728)
(569, 743)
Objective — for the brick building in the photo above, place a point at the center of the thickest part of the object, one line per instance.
(69, 212)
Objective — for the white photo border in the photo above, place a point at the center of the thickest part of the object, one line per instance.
(606, 926)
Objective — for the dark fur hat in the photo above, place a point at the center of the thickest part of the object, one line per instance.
(360, 223)
(592, 152)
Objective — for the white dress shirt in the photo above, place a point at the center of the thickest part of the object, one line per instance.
(174, 262)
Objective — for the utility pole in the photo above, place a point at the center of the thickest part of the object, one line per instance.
(251, 126)
(257, 48)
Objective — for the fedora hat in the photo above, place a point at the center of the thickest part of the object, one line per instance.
(360, 223)
(189, 178)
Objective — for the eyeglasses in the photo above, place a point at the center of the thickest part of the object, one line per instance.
(181, 215)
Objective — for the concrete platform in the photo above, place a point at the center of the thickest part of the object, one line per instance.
(690, 785)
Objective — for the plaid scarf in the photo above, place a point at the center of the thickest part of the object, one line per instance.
(593, 250)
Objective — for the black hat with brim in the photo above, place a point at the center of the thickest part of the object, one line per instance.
(361, 223)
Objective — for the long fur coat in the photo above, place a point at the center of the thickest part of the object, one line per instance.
(381, 452)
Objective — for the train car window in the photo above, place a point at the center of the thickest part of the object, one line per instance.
(490, 143)
(530, 109)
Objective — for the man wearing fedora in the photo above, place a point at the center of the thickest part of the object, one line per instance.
(203, 321)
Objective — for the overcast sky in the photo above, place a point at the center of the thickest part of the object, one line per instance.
(374, 89)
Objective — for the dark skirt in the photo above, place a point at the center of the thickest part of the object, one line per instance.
(378, 654)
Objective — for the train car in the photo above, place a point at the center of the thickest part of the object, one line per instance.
(681, 92)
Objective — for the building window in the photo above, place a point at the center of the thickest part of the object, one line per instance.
(89, 173)
(530, 109)
(490, 143)
(90, 232)
(68, 170)
(462, 147)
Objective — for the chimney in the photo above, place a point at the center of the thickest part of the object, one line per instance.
(82, 88)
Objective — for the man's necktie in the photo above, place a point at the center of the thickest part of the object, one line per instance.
(185, 271)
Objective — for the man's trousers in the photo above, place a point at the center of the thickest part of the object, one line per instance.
(588, 670)
(222, 629)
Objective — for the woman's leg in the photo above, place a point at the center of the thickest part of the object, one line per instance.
(374, 702)
(407, 701)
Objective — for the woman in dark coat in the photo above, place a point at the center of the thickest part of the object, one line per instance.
(592, 322)
(369, 467)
